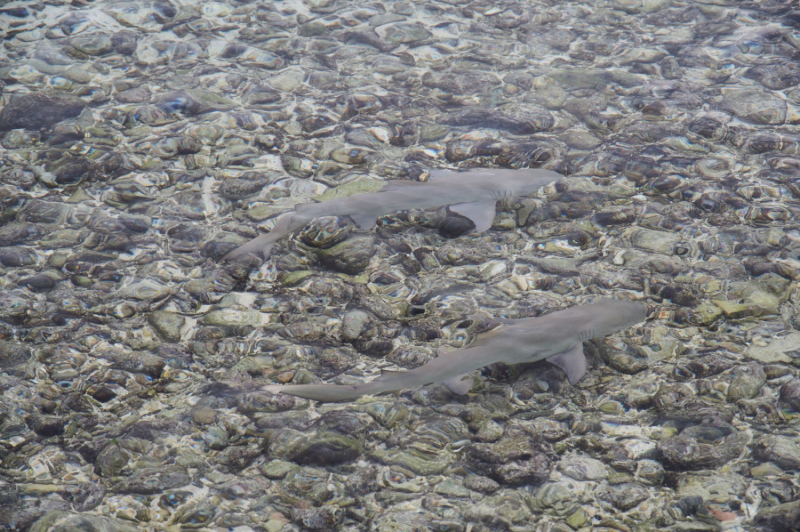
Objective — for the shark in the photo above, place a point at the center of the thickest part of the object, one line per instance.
(556, 337)
(472, 194)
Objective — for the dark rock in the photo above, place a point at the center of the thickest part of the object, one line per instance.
(135, 362)
(376, 338)
(102, 394)
(319, 519)
(677, 402)
(617, 217)
(481, 484)
(59, 521)
(322, 448)
(111, 460)
(264, 402)
(703, 366)
(351, 256)
(299, 420)
(17, 233)
(87, 497)
(18, 519)
(46, 426)
(515, 459)
(124, 42)
(362, 481)
(344, 422)
(790, 396)
(780, 518)
(17, 257)
(521, 122)
(152, 480)
(38, 283)
(44, 212)
(775, 77)
(690, 505)
(167, 325)
(370, 38)
(687, 451)
(71, 171)
(65, 135)
(40, 110)
(238, 188)
(454, 225)
(237, 458)
(747, 382)
(13, 354)
(781, 450)
(624, 496)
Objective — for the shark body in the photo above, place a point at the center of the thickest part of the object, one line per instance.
(472, 194)
(556, 337)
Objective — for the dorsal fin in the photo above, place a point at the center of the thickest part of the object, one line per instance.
(484, 337)
(440, 173)
(397, 185)
(300, 207)
(365, 221)
(388, 374)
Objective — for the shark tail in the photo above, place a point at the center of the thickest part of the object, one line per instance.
(262, 245)
(326, 393)
(259, 246)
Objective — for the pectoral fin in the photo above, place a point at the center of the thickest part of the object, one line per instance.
(364, 221)
(572, 361)
(480, 212)
(460, 384)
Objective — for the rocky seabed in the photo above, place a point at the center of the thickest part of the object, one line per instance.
(141, 141)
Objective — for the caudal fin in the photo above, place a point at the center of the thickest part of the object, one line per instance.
(326, 393)
(260, 246)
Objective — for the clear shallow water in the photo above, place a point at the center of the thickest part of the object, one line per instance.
(143, 141)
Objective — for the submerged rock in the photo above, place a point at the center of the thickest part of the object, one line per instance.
(41, 110)
(513, 460)
(351, 256)
(320, 449)
(780, 518)
(780, 450)
(59, 521)
(142, 140)
(702, 449)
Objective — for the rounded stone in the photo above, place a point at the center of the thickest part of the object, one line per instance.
(351, 256)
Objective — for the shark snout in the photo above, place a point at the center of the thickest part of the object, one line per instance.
(626, 313)
(613, 315)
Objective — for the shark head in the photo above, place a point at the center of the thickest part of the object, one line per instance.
(522, 182)
(608, 316)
